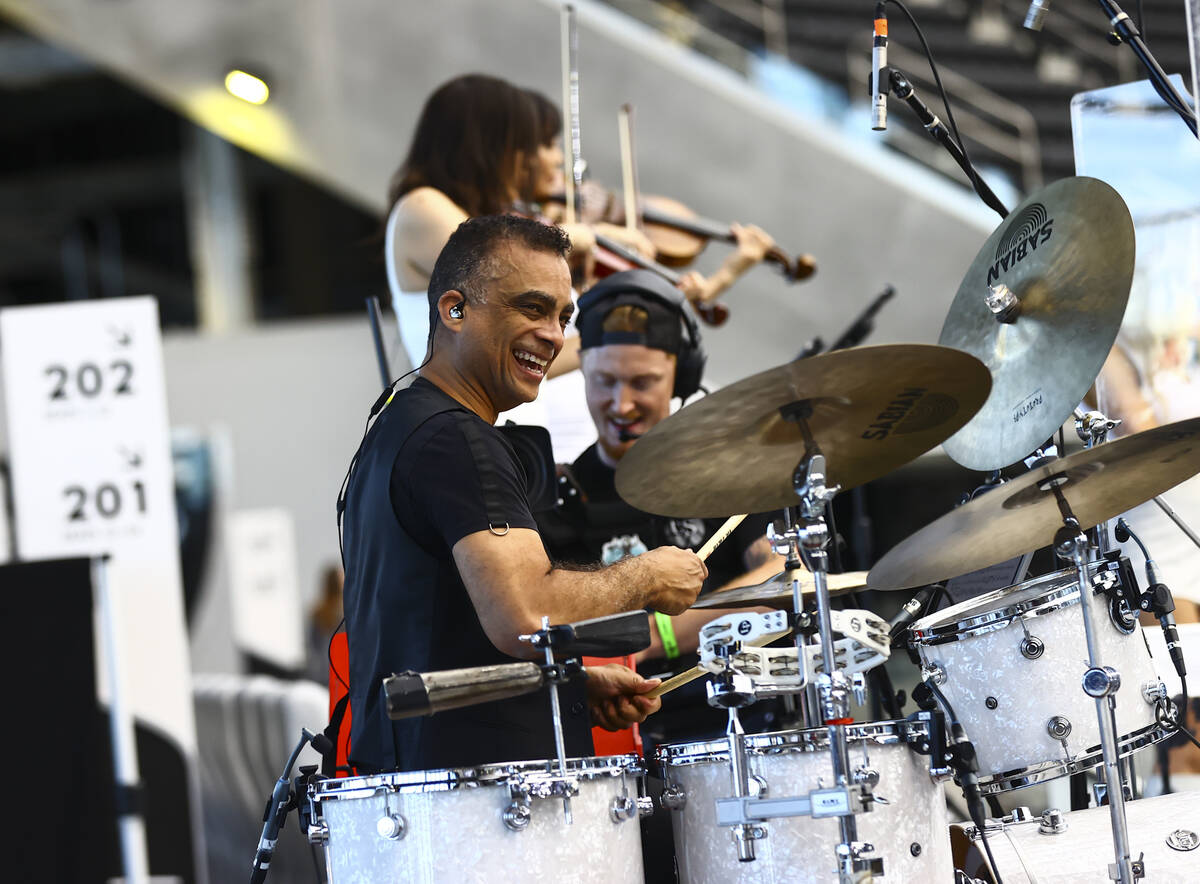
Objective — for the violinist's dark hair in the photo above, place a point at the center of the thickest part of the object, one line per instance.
(466, 144)
(549, 118)
(464, 264)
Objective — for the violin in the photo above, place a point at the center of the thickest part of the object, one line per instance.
(679, 235)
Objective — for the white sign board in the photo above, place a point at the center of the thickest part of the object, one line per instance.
(264, 588)
(91, 473)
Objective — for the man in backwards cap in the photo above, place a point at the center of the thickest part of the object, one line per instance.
(640, 349)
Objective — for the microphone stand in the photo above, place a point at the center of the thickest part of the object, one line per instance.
(1125, 31)
(903, 89)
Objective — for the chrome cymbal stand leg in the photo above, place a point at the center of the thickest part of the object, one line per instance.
(556, 716)
(812, 534)
(1101, 683)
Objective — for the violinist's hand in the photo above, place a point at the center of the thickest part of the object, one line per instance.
(694, 287)
(753, 243)
(583, 240)
(616, 696)
(632, 239)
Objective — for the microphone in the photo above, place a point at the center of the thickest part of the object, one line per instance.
(911, 611)
(879, 84)
(278, 805)
(413, 694)
(864, 324)
(1157, 599)
(1037, 12)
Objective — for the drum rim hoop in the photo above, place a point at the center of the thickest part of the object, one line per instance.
(937, 629)
(1090, 759)
(888, 732)
(591, 767)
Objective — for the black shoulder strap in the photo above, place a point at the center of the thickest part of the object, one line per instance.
(333, 733)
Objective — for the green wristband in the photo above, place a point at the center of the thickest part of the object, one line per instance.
(666, 632)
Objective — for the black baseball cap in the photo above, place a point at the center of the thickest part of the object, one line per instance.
(661, 301)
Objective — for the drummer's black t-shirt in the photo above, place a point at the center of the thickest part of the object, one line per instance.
(430, 473)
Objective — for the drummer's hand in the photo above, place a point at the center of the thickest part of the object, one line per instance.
(676, 577)
(616, 696)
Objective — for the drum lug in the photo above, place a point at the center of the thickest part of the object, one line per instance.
(673, 798)
(867, 776)
(1153, 692)
(1032, 647)
(645, 805)
(934, 672)
(516, 816)
(392, 827)
(318, 833)
(622, 808)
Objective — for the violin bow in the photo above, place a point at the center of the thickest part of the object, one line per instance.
(572, 159)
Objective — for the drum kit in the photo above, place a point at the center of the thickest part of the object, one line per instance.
(1043, 679)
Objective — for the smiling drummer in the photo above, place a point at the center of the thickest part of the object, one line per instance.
(444, 565)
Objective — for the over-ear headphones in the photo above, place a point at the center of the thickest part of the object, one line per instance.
(689, 367)
(456, 312)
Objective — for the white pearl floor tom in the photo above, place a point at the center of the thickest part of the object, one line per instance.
(907, 825)
(1011, 663)
(493, 823)
(1076, 847)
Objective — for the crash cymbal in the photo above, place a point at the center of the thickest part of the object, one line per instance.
(1066, 254)
(870, 409)
(776, 592)
(1022, 515)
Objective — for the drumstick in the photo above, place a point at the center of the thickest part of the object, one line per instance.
(678, 681)
(719, 536)
(704, 552)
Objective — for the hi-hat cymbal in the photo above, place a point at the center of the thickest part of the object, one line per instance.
(1066, 253)
(1022, 515)
(776, 592)
(870, 410)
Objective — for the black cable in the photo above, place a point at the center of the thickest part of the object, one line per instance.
(937, 78)
(979, 823)
(329, 654)
(1141, 18)
(376, 409)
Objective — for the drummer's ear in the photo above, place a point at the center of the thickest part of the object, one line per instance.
(451, 309)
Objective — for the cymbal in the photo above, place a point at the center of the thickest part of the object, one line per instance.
(871, 410)
(1022, 515)
(1066, 253)
(776, 592)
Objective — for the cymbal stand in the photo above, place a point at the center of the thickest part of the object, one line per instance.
(1093, 428)
(811, 534)
(1101, 683)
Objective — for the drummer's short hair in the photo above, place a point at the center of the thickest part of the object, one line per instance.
(466, 263)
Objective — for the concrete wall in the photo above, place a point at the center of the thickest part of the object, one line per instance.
(292, 400)
(352, 74)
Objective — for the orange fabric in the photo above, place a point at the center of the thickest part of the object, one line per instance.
(339, 677)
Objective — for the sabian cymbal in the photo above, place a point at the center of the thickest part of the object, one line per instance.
(870, 409)
(1066, 254)
(776, 592)
(1023, 514)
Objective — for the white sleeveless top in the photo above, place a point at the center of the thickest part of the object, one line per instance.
(561, 406)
